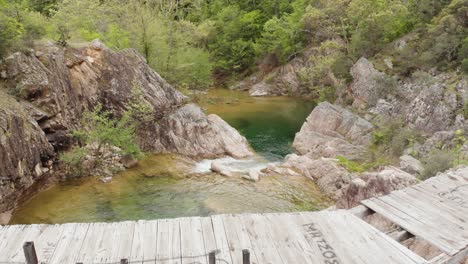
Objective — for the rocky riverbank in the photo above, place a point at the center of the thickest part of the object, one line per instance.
(340, 145)
(45, 91)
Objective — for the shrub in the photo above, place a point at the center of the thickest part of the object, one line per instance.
(100, 127)
(73, 161)
(437, 161)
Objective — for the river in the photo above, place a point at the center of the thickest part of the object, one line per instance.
(166, 186)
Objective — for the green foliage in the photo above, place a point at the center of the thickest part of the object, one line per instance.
(392, 139)
(99, 127)
(73, 161)
(19, 27)
(376, 23)
(437, 161)
(463, 55)
(350, 165)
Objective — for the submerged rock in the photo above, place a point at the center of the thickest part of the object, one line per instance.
(253, 175)
(217, 166)
(331, 131)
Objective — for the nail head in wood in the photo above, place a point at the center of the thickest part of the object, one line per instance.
(212, 257)
(245, 256)
(30, 253)
(124, 261)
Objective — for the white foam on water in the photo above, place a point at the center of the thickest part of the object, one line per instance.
(236, 165)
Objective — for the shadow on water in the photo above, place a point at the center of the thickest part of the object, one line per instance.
(160, 186)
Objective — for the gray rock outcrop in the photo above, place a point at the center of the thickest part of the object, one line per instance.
(25, 154)
(411, 165)
(325, 172)
(371, 184)
(366, 87)
(331, 131)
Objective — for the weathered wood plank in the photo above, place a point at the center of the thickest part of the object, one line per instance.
(289, 241)
(413, 225)
(123, 239)
(102, 253)
(90, 242)
(63, 241)
(138, 242)
(192, 245)
(222, 244)
(208, 234)
(238, 239)
(326, 243)
(451, 233)
(70, 253)
(168, 242)
(265, 251)
(150, 241)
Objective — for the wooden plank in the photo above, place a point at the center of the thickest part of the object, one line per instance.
(63, 240)
(138, 242)
(192, 246)
(123, 238)
(90, 244)
(208, 235)
(168, 242)
(222, 245)
(150, 241)
(238, 238)
(437, 201)
(31, 233)
(376, 243)
(430, 217)
(291, 243)
(328, 245)
(414, 226)
(47, 241)
(442, 216)
(15, 241)
(70, 253)
(102, 253)
(265, 251)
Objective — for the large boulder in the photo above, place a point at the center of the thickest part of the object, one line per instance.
(367, 86)
(25, 153)
(331, 131)
(411, 165)
(325, 172)
(188, 131)
(371, 184)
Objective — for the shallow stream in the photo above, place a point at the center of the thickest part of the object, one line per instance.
(166, 186)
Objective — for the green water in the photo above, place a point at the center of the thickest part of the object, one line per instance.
(162, 187)
(269, 124)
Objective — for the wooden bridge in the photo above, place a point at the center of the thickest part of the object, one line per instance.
(435, 210)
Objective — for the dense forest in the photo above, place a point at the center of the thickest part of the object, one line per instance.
(198, 44)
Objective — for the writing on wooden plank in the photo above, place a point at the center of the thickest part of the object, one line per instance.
(328, 253)
(456, 195)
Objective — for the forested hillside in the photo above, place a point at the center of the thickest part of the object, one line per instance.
(194, 43)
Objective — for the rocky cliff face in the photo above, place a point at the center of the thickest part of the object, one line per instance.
(25, 154)
(50, 88)
(62, 83)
